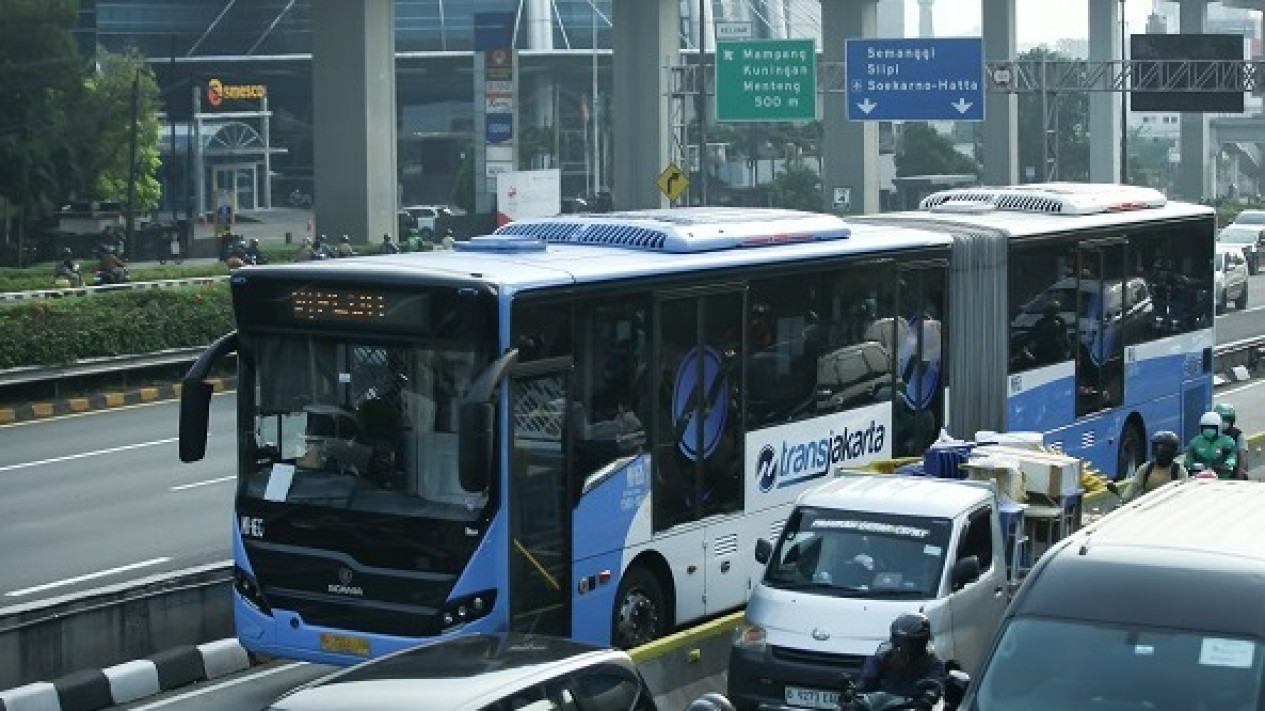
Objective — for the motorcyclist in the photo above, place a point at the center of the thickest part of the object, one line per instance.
(1228, 428)
(1162, 468)
(111, 269)
(68, 269)
(344, 247)
(252, 254)
(907, 664)
(1213, 449)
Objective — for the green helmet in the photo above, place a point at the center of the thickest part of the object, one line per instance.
(1226, 410)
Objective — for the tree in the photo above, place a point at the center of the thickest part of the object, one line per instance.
(797, 187)
(101, 124)
(925, 151)
(40, 69)
(1071, 134)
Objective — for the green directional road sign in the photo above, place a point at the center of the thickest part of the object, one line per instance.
(766, 80)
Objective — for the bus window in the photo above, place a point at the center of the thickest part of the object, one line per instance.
(820, 343)
(1176, 269)
(611, 401)
(1042, 296)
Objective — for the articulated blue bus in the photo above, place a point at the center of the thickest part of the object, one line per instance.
(580, 425)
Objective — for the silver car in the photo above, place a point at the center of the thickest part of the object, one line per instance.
(483, 672)
(1250, 237)
(1230, 278)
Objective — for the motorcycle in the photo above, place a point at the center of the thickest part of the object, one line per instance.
(954, 691)
(106, 277)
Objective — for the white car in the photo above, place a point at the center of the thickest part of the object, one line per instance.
(426, 217)
(1230, 277)
(1250, 237)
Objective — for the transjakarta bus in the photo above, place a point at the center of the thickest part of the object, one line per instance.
(581, 425)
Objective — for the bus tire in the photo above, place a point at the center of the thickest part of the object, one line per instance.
(1131, 453)
(641, 610)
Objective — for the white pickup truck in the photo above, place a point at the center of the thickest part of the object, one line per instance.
(854, 554)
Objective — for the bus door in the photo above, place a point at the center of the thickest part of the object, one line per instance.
(1101, 313)
(698, 443)
(918, 407)
(537, 500)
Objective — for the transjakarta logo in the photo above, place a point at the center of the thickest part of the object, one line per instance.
(802, 455)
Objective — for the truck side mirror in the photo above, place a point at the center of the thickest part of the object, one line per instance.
(965, 572)
(763, 551)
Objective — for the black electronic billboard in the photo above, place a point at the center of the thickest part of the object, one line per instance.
(1186, 73)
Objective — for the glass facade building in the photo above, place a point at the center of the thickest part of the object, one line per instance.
(269, 42)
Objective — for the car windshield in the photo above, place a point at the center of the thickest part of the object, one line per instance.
(1053, 665)
(1250, 217)
(860, 554)
(1238, 236)
(360, 426)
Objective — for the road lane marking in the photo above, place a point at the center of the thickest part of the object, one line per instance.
(208, 482)
(81, 455)
(89, 576)
(253, 676)
(1241, 388)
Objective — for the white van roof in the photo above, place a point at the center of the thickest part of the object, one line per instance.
(907, 495)
(1199, 516)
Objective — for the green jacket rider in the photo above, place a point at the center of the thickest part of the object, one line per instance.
(1212, 448)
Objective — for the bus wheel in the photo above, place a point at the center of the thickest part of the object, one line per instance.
(640, 609)
(1132, 451)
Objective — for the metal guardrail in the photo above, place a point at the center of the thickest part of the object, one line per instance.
(71, 291)
(98, 366)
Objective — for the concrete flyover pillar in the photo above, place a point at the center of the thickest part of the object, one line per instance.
(849, 148)
(1001, 110)
(353, 102)
(1104, 106)
(647, 40)
(1197, 170)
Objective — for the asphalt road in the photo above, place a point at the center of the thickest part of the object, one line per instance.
(102, 498)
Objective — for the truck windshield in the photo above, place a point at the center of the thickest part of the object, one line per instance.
(358, 426)
(1103, 666)
(860, 554)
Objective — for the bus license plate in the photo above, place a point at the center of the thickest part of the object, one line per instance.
(811, 698)
(345, 644)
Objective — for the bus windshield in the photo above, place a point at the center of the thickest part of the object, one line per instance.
(1119, 667)
(361, 426)
(860, 554)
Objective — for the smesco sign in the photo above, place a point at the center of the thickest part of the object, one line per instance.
(217, 91)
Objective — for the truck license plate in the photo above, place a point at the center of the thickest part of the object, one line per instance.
(344, 643)
(811, 698)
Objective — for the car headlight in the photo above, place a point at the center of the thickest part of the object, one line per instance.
(750, 637)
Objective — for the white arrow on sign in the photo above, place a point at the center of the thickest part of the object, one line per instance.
(962, 105)
(867, 106)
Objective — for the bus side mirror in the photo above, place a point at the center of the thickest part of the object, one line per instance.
(195, 398)
(475, 448)
(763, 550)
(195, 417)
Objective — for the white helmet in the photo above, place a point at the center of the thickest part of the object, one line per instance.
(1210, 419)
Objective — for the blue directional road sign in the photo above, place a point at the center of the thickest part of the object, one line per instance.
(915, 79)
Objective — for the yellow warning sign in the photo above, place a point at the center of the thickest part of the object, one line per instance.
(672, 182)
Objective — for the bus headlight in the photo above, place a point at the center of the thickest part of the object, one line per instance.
(749, 637)
(246, 586)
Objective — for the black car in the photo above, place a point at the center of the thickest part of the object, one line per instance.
(484, 672)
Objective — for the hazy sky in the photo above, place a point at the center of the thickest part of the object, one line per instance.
(1040, 21)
